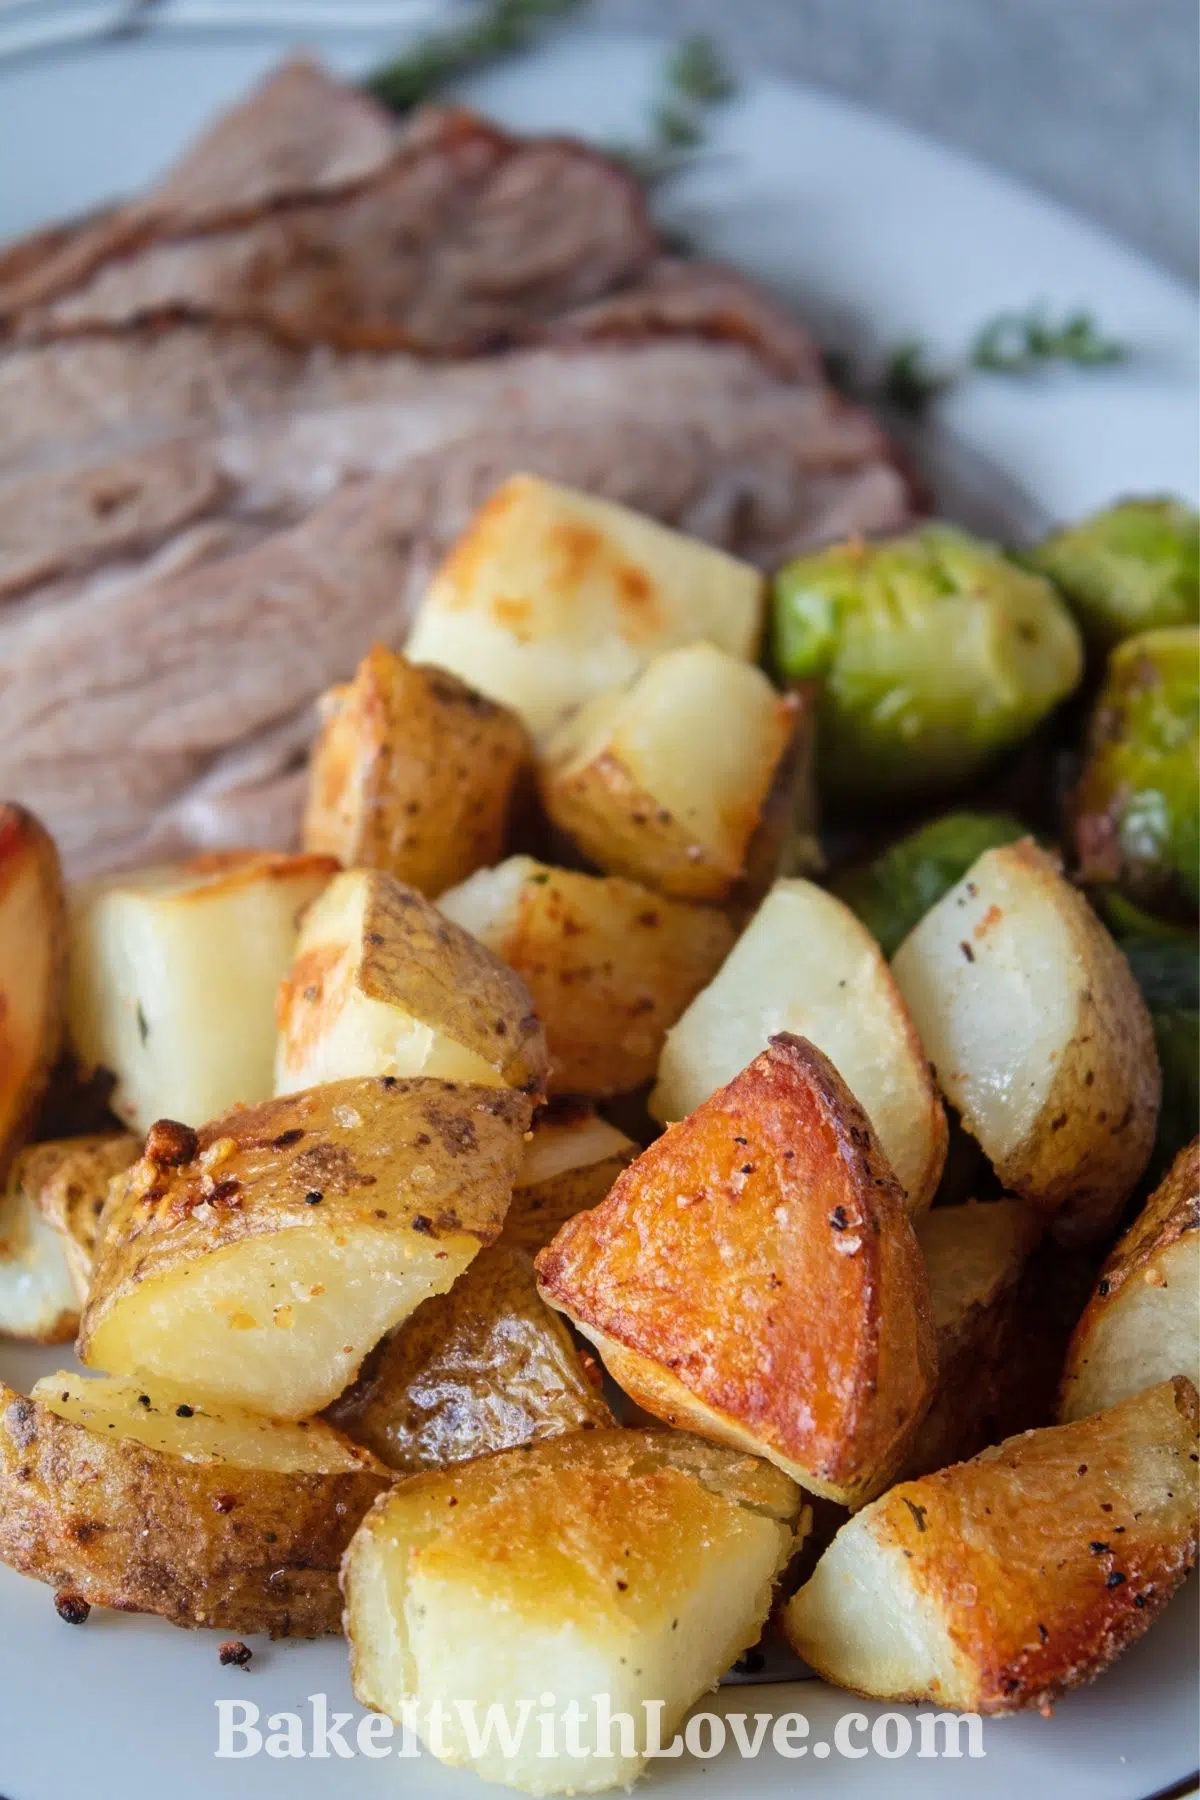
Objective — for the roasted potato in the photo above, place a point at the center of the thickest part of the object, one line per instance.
(647, 788)
(894, 891)
(632, 1565)
(38, 1301)
(1038, 1035)
(413, 772)
(259, 1260)
(173, 979)
(68, 1180)
(754, 1276)
(1001, 1583)
(975, 1256)
(610, 965)
(570, 1162)
(142, 1498)
(384, 984)
(551, 596)
(33, 939)
(1142, 1324)
(806, 965)
(484, 1367)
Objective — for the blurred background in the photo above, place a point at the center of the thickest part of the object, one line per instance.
(1093, 101)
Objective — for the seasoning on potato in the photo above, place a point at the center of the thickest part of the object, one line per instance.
(754, 1276)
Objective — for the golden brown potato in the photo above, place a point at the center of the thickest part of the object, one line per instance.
(141, 1498)
(551, 596)
(38, 1301)
(384, 984)
(33, 972)
(570, 1162)
(1001, 1583)
(174, 972)
(806, 965)
(1039, 1036)
(259, 1260)
(1142, 1323)
(484, 1367)
(754, 1276)
(413, 772)
(647, 788)
(632, 1564)
(68, 1180)
(975, 1256)
(610, 966)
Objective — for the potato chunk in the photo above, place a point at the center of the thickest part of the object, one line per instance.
(1039, 1036)
(33, 941)
(610, 965)
(551, 596)
(259, 1260)
(999, 1584)
(646, 786)
(754, 1276)
(413, 773)
(975, 1256)
(806, 965)
(384, 984)
(143, 1498)
(68, 1180)
(635, 1565)
(484, 1367)
(1142, 1323)
(571, 1161)
(38, 1300)
(173, 979)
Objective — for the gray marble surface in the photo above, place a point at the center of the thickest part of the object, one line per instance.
(1093, 101)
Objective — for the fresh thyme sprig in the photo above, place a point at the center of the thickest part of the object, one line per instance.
(1010, 343)
(695, 80)
(503, 28)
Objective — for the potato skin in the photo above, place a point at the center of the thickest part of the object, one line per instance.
(1067, 1527)
(196, 1543)
(539, 1207)
(33, 972)
(711, 1274)
(68, 1179)
(414, 773)
(484, 1367)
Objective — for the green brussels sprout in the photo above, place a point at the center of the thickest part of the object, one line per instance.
(1134, 567)
(898, 888)
(935, 653)
(1137, 814)
(1169, 977)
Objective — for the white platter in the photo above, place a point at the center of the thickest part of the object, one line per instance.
(879, 236)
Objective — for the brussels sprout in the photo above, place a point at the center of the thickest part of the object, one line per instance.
(936, 653)
(1169, 977)
(904, 881)
(1134, 567)
(1137, 820)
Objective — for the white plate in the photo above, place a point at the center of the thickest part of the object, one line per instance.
(878, 235)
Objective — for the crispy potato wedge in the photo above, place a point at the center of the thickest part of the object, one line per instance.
(571, 1161)
(999, 1584)
(632, 1564)
(1142, 1323)
(68, 1180)
(173, 978)
(1039, 1035)
(975, 1256)
(259, 1260)
(384, 984)
(610, 965)
(33, 972)
(484, 1367)
(414, 773)
(645, 786)
(38, 1301)
(144, 1499)
(754, 1276)
(806, 965)
(551, 596)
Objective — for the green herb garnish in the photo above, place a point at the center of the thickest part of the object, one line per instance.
(909, 384)
(503, 28)
(1015, 343)
(694, 81)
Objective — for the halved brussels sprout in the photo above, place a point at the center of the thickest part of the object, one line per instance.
(1133, 567)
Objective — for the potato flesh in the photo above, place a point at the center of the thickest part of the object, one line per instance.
(556, 1148)
(805, 965)
(552, 596)
(173, 982)
(278, 1324)
(173, 1420)
(37, 1292)
(1149, 1332)
(370, 1037)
